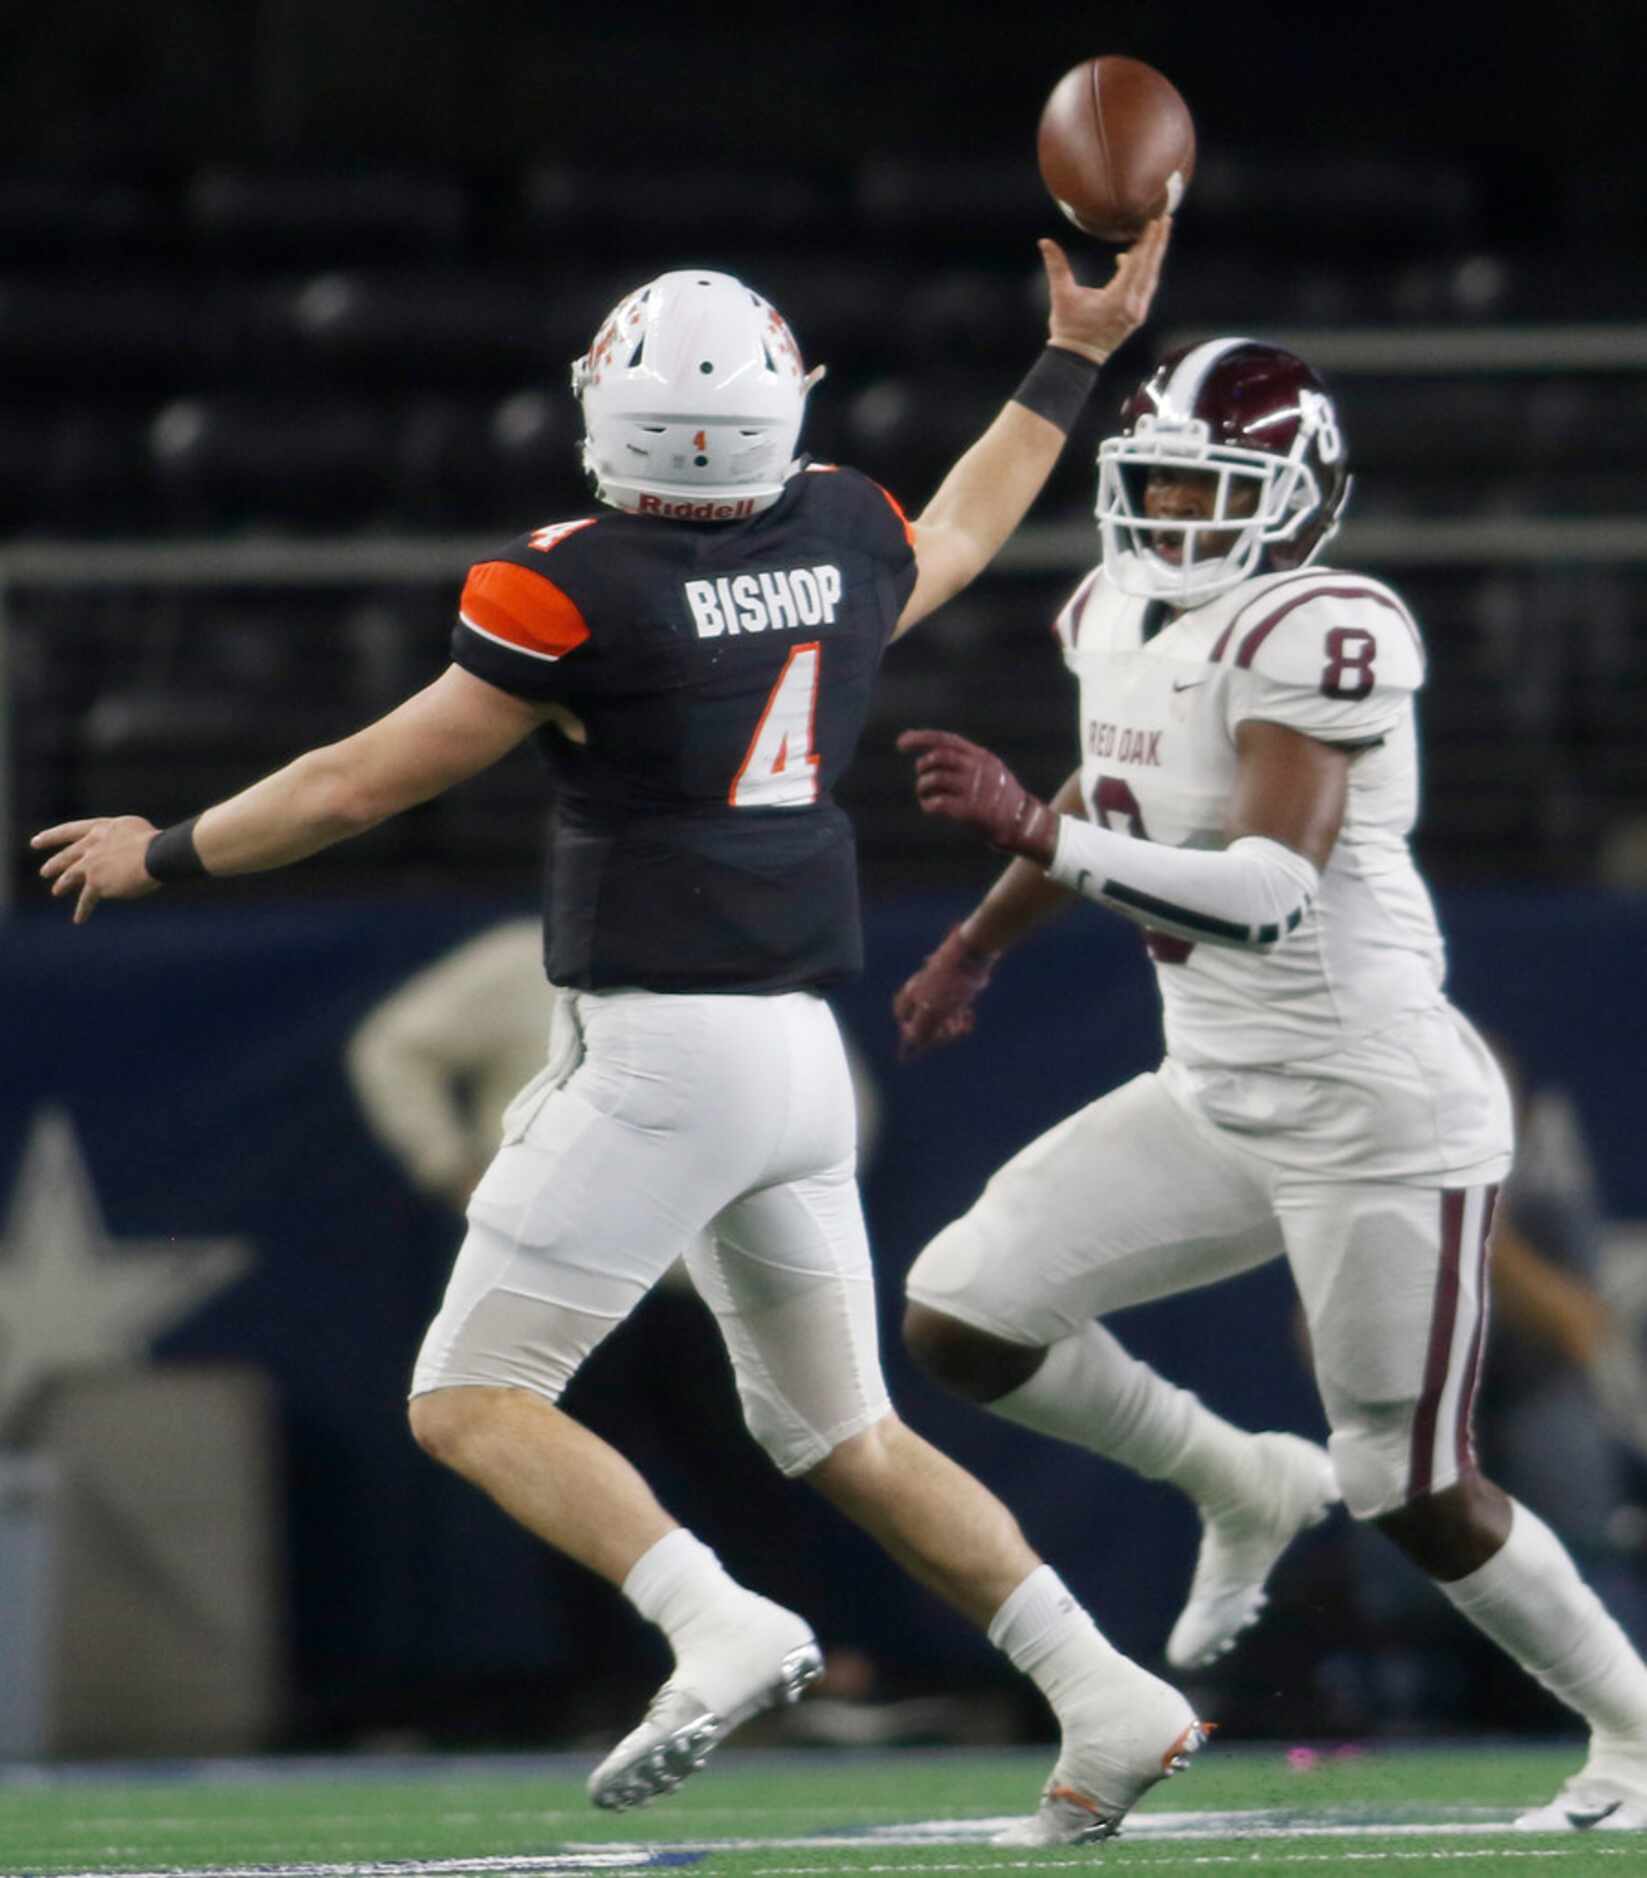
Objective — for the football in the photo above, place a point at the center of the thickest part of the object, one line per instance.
(1116, 146)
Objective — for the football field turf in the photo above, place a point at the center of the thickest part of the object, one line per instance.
(799, 1814)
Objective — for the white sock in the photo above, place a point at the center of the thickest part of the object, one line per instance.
(1091, 1392)
(1044, 1632)
(1530, 1600)
(679, 1584)
(725, 1637)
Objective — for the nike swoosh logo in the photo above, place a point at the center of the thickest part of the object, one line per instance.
(1582, 1822)
(1187, 684)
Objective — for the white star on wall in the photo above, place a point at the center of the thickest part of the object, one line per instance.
(72, 1298)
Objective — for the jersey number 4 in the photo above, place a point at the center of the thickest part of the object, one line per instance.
(780, 767)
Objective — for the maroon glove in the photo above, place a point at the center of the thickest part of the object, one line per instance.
(935, 1005)
(974, 787)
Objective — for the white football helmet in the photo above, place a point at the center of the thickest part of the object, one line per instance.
(692, 398)
(1258, 419)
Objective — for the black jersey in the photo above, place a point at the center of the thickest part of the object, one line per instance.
(720, 675)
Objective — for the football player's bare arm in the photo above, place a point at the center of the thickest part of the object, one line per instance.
(1288, 788)
(989, 490)
(451, 730)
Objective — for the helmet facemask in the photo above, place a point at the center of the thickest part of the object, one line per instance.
(1284, 494)
(1254, 419)
(692, 398)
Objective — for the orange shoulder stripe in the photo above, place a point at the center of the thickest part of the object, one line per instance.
(524, 609)
(897, 509)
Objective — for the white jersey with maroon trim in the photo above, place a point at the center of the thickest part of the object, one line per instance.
(1336, 656)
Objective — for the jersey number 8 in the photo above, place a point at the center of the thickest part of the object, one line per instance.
(1349, 673)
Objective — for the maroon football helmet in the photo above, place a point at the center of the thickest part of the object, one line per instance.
(1258, 419)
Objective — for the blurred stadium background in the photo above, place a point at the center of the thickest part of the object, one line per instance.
(288, 292)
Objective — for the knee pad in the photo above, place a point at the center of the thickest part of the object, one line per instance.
(793, 1446)
(946, 1266)
(808, 1372)
(504, 1340)
(1372, 1460)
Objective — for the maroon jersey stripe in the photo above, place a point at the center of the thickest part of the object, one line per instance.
(1079, 605)
(1241, 613)
(1472, 1374)
(1262, 631)
(1443, 1319)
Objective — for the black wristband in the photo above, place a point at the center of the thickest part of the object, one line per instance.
(172, 855)
(1057, 387)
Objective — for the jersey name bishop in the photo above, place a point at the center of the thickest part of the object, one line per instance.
(751, 603)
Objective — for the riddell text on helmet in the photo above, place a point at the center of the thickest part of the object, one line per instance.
(688, 509)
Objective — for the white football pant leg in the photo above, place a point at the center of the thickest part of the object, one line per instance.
(786, 1268)
(787, 1273)
(1127, 1200)
(615, 1160)
(1393, 1282)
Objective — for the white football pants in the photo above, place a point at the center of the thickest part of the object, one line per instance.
(1136, 1197)
(718, 1128)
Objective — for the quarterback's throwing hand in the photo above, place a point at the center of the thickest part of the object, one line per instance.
(101, 859)
(972, 786)
(934, 1005)
(1095, 320)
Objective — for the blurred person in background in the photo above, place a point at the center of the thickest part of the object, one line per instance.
(1560, 1423)
(1247, 787)
(436, 1063)
(697, 668)
(1563, 1404)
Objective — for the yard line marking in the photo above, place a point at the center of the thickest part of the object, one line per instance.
(1253, 1823)
(1161, 1828)
(639, 1857)
(1200, 1859)
(592, 1858)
